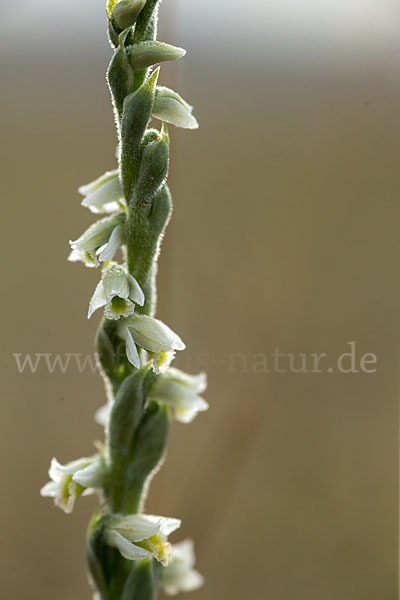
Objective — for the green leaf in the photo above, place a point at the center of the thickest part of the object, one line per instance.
(126, 414)
(146, 234)
(142, 582)
(146, 26)
(134, 463)
(137, 111)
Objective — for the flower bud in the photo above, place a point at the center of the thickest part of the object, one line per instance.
(120, 75)
(153, 167)
(172, 108)
(125, 12)
(144, 55)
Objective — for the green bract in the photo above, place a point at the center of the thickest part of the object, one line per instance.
(128, 553)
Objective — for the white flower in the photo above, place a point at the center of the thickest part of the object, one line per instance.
(181, 392)
(150, 334)
(104, 195)
(172, 108)
(101, 241)
(142, 536)
(179, 575)
(118, 292)
(72, 480)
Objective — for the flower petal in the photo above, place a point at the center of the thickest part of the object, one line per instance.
(98, 299)
(116, 240)
(135, 291)
(126, 548)
(91, 476)
(115, 282)
(131, 350)
(138, 527)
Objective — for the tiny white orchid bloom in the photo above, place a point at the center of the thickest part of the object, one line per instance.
(150, 334)
(102, 240)
(179, 575)
(142, 536)
(68, 482)
(170, 107)
(104, 195)
(181, 392)
(118, 292)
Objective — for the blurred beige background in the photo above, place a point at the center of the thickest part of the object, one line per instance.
(285, 236)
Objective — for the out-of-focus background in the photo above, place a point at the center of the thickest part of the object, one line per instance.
(285, 237)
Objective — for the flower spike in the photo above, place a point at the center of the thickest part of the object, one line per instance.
(134, 348)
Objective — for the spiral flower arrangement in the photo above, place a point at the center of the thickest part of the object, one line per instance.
(128, 552)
